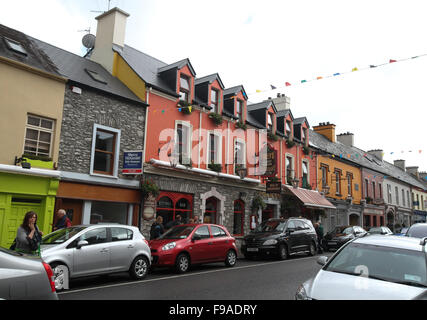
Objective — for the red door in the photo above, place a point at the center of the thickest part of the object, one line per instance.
(201, 250)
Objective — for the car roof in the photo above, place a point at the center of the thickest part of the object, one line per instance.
(391, 241)
(104, 225)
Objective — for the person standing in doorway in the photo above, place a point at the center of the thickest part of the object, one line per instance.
(62, 220)
(28, 236)
(319, 231)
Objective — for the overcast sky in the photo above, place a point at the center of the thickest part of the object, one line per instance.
(263, 43)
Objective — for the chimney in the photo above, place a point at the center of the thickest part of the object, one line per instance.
(110, 31)
(423, 175)
(282, 102)
(327, 130)
(413, 171)
(376, 153)
(346, 139)
(400, 164)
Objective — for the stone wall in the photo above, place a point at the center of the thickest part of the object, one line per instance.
(81, 112)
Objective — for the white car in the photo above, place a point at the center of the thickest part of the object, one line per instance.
(371, 268)
(87, 250)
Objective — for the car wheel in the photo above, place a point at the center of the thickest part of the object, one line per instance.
(231, 258)
(313, 249)
(139, 268)
(182, 263)
(61, 276)
(283, 252)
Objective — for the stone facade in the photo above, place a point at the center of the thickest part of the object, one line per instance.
(82, 111)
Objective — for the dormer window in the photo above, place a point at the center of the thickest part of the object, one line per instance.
(15, 46)
(239, 109)
(288, 130)
(304, 135)
(214, 100)
(184, 89)
(270, 122)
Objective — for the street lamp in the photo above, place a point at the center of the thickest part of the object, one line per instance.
(241, 171)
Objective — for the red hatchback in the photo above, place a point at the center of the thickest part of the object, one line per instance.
(187, 244)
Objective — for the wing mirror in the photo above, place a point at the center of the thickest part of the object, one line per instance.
(82, 243)
(196, 237)
(322, 260)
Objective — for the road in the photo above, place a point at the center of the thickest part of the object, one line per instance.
(248, 280)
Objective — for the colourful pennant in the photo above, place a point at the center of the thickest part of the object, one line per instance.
(319, 78)
(354, 69)
(391, 61)
(287, 84)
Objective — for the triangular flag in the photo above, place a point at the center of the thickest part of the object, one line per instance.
(272, 87)
(258, 91)
(336, 74)
(189, 108)
(179, 109)
(318, 78)
(302, 81)
(354, 69)
(287, 84)
(391, 61)
(419, 151)
(372, 66)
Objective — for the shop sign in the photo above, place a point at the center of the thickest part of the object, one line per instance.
(132, 162)
(268, 161)
(274, 186)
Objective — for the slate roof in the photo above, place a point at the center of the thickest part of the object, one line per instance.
(210, 78)
(361, 158)
(34, 57)
(73, 67)
(234, 90)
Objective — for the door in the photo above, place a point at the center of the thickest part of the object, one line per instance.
(211, 210)
(294, 237)
(95, 257)
(17, 214)
(221, 243)
(122, 248)
(73, 208)
(201, 250)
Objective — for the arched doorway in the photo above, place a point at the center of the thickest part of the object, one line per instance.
(165, 209)
(210, 215)
(390, 220)
(354, 219)
(238, 217)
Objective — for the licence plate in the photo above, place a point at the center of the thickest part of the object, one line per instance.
(252, 249)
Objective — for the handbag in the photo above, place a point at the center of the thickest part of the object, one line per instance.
(13, 245)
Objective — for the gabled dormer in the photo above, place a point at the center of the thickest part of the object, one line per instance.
(235, 103)
(301, 130)
(209, 92)
(285, 123)
(265, 114)
(179, 76)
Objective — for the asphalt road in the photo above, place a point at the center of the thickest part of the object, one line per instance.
(248, 280)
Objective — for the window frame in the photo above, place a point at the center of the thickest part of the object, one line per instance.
(338, 173)
(239, 109)
(189, 127)
(243, 143)
(242, 218)
(215, 105)
(115, 165)
(292, 171)
(218, 152)
(186, 92)
(39, 129)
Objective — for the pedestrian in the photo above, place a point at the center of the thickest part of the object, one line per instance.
(157, 228)
(191, 221)
(62, 220)
(319, 231)
(175, 222)
(28, 235)
(196, 219)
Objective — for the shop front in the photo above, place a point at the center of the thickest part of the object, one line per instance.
(23, 190)
(373, 217)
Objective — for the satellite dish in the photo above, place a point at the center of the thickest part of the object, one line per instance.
(88, 40)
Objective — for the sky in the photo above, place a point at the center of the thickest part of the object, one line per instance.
(262, 43)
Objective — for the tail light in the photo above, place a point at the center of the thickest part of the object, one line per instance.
(50, 275)
(148, 244)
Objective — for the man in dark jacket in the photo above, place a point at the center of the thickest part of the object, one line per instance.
(62, 220)
(175, 222)
(319, 231)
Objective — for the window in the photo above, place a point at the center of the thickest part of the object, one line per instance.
(324, 175)
(15, 46)
(239, 109)
(337, 181)
(203, 232)
(389, 193)
(397, 194)
(304, 136)
(367, 188)
(373, 190)
(169, 205)
(109, 212)
(270, 122)
(289, 169)
(217, 232)
(349, 184)
(184, 89)
(380, 188)
(121, 234)
(288, 130)
(239, 217)
(214, 149)
(239, 153)
(95, 236)
(183, 142)
(403, 198)
(105, 150)
(39, 136)
(214, 100)
(305, 176)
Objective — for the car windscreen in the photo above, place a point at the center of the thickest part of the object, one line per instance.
(61, 235)
(375, 230)
(343, 230)
(382, 263)
(271, 226)
(415, 231)
(177, 232)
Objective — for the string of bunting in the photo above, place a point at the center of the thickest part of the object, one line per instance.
(372, 66)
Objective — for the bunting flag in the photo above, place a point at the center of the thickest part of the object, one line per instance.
(354, 69)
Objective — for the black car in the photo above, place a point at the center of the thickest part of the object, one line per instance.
(281, 238)
(417, 230)
(340, 235)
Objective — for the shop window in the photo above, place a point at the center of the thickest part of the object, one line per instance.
(170, 204)
(105, 150)
(108, 212)
(267, 213)
(183, 208)
(239, 217)
(39, 136)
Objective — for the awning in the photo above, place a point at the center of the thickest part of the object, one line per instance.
(309, 198)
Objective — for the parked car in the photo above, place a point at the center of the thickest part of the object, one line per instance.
(417, 230)
(25, 276)
(281, 238)
(402, 232)
(189, 244)
(371, 268)
(87, 250)
(340, 235)
(380, 230)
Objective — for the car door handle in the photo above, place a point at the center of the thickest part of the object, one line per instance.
(105, 250)
(131, 246)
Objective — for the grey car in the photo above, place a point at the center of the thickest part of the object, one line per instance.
(25, 277)
(87, 250)
(371, 268)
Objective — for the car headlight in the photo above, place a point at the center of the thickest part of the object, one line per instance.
(269, 242)
(301, 294)
(169, 246)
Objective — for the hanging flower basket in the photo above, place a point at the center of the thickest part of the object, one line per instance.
(216, 118)
(306, 150)
(215, 167)
(258, 202)
(290, 143)
(149, 187)
(272, 136)
(184, 106)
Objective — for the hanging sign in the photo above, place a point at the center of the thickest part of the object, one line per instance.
(132, 162)
(273, 186)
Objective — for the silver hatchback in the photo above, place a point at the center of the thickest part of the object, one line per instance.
(371, 268)
(87, 250)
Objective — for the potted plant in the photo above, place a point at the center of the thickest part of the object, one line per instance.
(216, 118)
(217, 167)
(258, 203)
(290, 143)
(148, 187)
(272, 136)
(306, 150)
